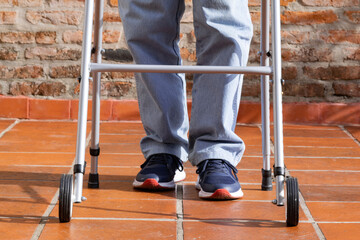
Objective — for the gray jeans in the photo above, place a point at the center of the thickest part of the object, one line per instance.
(223, 31)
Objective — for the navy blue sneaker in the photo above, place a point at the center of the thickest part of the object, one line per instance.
(160, 172)
(217, 180)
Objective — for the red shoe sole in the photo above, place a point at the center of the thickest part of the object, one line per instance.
(151, 184)
(221, 194)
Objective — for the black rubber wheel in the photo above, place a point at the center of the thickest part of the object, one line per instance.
(292, 202)
(65, 197)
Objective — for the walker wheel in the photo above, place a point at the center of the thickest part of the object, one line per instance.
(292, 202)
(65, 198)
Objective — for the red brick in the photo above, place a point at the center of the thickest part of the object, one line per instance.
(332, 3)
(122, 75)
(125, 110)
(304, 89)
(6, 72)
(188, 55)
(72, 71)
(17, 37)
(295, 37)
(28, 3)
(28, 72)
(111, 17)
(289, 73)
(340, 113)
(13, 107)
(251, 89)
(349, 89)
(333, 72)
(8, 17)
(308, 18)
(50, 89)
(255, 17)
(113, 3)
(306, 54)
(22, 88)
(354, 16)
(49, 109)
(75, 2)
(8, 54)
(70, 36)
(352, 53)
(341, 36)
(45, 37)
(255, 3)
(52, 53)
(105, 109)
(111, 36)
(6, 3)
(54, 17)
(116, 89)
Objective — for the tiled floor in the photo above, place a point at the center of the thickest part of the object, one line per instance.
(325, 159)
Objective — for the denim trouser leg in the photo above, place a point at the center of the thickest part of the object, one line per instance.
(152, 33)
(223, 30)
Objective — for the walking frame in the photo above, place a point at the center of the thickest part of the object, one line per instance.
(72, 192)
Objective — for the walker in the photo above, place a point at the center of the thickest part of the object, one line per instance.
(71, 191)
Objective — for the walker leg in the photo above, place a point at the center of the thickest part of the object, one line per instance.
(265, 98)
(83, 102)
(95, 123)
(277, 101)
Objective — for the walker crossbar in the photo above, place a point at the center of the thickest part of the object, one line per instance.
(71, 190)
(96, 67)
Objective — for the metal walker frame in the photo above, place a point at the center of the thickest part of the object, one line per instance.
(72, 193)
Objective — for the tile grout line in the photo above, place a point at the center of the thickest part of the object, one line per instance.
(179, 211)
(9, 128)
(50, 208)
(349, 134)
(302, 201)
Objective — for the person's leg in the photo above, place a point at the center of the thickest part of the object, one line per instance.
(223, 30)
(152, 33)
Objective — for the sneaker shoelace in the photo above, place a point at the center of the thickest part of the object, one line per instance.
(171, 162)
(216, 165)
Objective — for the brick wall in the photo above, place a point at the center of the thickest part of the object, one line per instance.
(40, 50)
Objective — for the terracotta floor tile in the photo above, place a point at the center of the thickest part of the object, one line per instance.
(312, 127)
(327, 178)
(120, 148)
(122, 127)
(322, 163)
(314, 132)
(5, 124)
(124, 190)
(117, 159)
(355, 131)
(247, 230)
(17, 228)
(319, 142)
(120, 208)
(19, 208)
(117, 174)
(330, 193)
(322, 152)
(16, 158)
(251, 192)
(131, 230)
(335, 231)
(117, 138)
(251, 162)
(32, 173)
(28, 190)
(335, 211)
(234, 210)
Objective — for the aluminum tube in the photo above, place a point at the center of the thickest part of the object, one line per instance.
(280, 192)
(178, 69)
(265, 96)
(277, 97)
(83, 99)
(95, 115)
